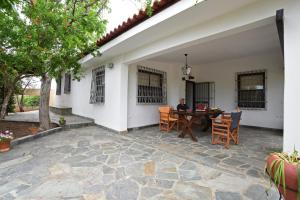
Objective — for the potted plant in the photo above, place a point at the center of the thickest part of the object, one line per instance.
(284, 171)
(5, 138)
(62, 121)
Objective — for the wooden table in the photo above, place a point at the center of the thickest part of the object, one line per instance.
(200, 118)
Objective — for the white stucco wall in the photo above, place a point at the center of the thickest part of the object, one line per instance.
(109, 114)
(142, 115)
(62, 100)
(292, 72)
(224, 74)
(113, 113)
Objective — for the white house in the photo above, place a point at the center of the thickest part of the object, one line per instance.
(242, 52)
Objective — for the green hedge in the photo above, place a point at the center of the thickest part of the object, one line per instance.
(31, 100)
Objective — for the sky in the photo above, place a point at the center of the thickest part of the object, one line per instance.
(120, 11)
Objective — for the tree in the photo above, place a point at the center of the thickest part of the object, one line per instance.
(15, 63)
(23, 85)
(11, 103)
(9, 77)
(46, 38)
(7, 4)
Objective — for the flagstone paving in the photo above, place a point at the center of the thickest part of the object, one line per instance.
(247, 158)
(93, 163)
(33, 116)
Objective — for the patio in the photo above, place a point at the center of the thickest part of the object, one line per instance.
(245, 159)
(33, 116)
(93, 163)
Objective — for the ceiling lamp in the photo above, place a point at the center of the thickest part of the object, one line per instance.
(186, 70)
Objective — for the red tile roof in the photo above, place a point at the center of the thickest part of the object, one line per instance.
(135, 20)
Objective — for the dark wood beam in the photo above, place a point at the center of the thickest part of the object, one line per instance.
(280, 27)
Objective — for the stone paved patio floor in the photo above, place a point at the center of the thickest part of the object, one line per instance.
(93, 163)
(33, 116)
(247, 158)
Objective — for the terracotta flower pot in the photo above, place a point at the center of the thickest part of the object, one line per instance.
(291, 178)
(4, 146)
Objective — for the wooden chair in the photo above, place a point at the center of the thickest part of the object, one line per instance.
(166, 121)
(226, 128)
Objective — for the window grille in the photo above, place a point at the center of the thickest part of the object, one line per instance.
(67, 87)
(151, 86)
(98, 85)
(251, 87)
(205, 94)
(58, 86)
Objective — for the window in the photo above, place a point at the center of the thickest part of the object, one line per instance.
(67, 87)
(58, 86)
(98, 85)
(151, 86)
(251, 90)
(205, 94)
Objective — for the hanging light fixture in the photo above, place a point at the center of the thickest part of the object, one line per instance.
(186, 70)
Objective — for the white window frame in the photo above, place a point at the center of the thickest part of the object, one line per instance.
(265, 89)
(97, 93)
(150, 100)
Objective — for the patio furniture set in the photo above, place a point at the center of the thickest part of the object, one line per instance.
(224, 126)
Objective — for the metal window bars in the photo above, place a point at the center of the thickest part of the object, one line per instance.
(205, 93)
(151, 86)
(97, 94)
(251, 90)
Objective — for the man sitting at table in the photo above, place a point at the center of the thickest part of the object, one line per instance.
(182, 106)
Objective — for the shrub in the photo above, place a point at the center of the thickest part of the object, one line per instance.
(62, 121)
(31, 101)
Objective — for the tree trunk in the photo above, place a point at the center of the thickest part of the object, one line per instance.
(21, 105)
(20, 102)
(5, 102)
(44, 103)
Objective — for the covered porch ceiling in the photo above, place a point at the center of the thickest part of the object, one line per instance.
(166, 24)
(247, 43)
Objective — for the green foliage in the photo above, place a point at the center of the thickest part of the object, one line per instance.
(149, 9)
(277, 166)
(45, 38)
(31, 100)
(7, 4)
(62, 121)
(148, 6)
(48, 37)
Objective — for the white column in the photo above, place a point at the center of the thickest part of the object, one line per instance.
(116, 101)
(123, 97)
(113, 113)
(292, 76)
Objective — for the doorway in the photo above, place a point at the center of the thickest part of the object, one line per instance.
(200, 93)
(190, 94)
